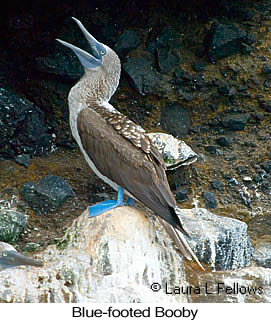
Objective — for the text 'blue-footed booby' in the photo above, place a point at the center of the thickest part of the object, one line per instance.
(117, 149)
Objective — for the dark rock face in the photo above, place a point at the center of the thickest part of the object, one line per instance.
(175, 120)
(22, 127)
(236, 121)
(128, 40)
(210, 200)
(224, 40)
(61, 63)
(143, 77)
(12, 224)
(165, 47)
(47, 194)
(166, 59)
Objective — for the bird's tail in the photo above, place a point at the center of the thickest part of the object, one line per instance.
(180, 242)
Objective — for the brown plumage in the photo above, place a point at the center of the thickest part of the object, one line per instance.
(140, 171)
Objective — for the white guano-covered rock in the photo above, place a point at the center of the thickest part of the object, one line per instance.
(114, 257)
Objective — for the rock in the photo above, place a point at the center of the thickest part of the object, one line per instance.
(23, 159)
(182, 195)
(179, 73)
(175, 120)
(168, 38)
(166, 46)
(224, 141)
(223, 87)
(236, 121)
(47, 194)
(114, 257)
(199, 66)
(31, 247)
(211, 149)
(12, 224)
(22, 127)
(262, 254)
(241, 169)
(246, 49)
(247, 179)
(224, 40)
(257, 178)
(217, 185)
(62, 63)
(176, 153)
(260, 116)
(267, 69)
(219, 241)
(267, 166)
(166, 59)
(128, 40)
(265, 104)
(209, 200)
(95, 260)
(143, 77)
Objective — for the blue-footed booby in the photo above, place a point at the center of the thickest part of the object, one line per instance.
(10, 257)
(116, 148)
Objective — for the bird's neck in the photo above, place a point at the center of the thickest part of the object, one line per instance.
(97, 90)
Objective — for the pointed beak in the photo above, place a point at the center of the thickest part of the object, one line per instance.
(14, 258)
(87, 60)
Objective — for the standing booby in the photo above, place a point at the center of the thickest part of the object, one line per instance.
(116, 148)
(10, 257)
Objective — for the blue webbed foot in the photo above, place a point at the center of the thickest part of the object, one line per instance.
(104, 206)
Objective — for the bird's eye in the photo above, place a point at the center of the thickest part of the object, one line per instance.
(4, 254)
(102, 52)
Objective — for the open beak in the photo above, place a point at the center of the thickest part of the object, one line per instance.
(87, 60)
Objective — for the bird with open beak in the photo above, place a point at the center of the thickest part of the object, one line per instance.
(116, 148)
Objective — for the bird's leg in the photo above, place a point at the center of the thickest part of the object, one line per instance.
(104, 206)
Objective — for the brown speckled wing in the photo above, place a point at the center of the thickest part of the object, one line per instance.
(131, 131)
(118, 158)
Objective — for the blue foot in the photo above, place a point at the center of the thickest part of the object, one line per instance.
(102, 207)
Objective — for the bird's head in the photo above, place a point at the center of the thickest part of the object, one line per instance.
(9, 257)
(102, 66)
